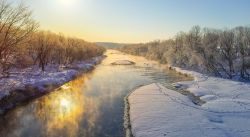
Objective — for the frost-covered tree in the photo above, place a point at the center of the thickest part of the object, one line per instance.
(16, 25)
(242, 41)
(227, 51)
(224, 53)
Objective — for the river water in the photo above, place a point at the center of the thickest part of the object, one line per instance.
(90, 106)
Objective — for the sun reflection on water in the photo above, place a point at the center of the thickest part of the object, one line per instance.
(65, 103)
(91, 105)
(62, 110)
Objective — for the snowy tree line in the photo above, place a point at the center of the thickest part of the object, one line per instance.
(224, 53)
(22, 45)
(46, 48)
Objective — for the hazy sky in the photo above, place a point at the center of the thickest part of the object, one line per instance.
(136, 20)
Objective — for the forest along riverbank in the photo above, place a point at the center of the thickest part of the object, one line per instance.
(24, 85)
(157, 111)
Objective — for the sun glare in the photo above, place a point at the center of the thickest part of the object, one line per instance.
(65, 103)
(67, 3)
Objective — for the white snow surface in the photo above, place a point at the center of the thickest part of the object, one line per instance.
(33, 76)
(157, 112)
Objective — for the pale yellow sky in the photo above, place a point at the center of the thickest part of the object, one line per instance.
(132, 21)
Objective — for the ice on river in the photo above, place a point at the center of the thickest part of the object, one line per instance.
(157, 112)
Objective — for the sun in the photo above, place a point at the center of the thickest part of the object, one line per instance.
(67, 3)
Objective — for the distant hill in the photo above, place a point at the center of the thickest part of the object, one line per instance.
(110, 45)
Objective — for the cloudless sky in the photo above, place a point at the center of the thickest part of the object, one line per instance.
(136, 20)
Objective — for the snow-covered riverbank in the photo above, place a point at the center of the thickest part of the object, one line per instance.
(31, 82)
(156, 111)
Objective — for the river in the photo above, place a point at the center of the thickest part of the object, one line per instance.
(90, 106)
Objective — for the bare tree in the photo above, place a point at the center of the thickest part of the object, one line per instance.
(16, 25)
(43, 47)
(209, 50)
(193, 38)
(242, 41)
(228, 51)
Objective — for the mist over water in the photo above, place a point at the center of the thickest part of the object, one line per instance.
(92, 105)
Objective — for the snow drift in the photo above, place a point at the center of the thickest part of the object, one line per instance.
(157, 111)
